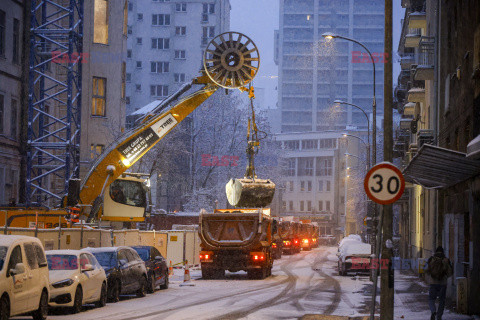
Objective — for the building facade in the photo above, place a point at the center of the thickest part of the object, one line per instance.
(165, 45)
(12, 97)
(313, 73)
(438, 139)
(103, 77)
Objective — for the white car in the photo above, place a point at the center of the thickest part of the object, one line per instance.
(76, 278)
(356, 255)
(24, 284)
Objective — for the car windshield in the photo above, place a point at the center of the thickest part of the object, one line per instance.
(106, 259)
(62, 262)
(143, 253)
(3, 253)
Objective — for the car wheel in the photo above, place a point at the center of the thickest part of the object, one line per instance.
(165, 284)
(114, 295)
(151, 284)
(103, 297)
(142, 291)
(4, 308)
(78, 300)
(42, 311)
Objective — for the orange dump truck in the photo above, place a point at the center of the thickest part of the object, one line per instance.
(235, 240)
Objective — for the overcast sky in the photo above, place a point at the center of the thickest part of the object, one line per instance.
(259, 18)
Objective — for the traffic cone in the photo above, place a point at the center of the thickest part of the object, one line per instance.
(170, 269)
(187, 281)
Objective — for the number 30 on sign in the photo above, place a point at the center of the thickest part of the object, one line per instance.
(384, 183)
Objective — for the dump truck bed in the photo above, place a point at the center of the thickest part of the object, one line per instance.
(235, 229)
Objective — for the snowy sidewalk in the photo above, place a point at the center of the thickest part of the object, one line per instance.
(411, 299)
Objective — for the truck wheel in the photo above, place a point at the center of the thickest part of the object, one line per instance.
(219, 274)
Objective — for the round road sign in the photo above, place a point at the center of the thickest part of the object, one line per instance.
(384, 183)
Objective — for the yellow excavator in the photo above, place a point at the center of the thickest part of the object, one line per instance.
(231, 61)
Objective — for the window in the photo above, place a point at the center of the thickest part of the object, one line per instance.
(309, 144)
(291, 164)
(208, 32)
(127, 100)
(130, 30)
(305, 166)
(130, 6)
(328, 206)
(138, 87)
(96, 150)
(100, 22)
(159, 90)
(284, 205)
(328, 185)
(139, 40)
(181, 7)
(125, 17)
(31, 256)
(320, 185)
(179, 77)
(124, 78)
(159, 67)
(204, 18)
(309, 205)
(209, 8)
(2, 113)
(328, 143)
(139, 16)
(180, 31)
(309, 186)
(15, 258)
(290, 205)
(291, 186)
(160, 19)
(160, 43)
(99, 97)
(129, 77)
(320, 205)
(139, 65)
(302, 206)
(292, 145)
(2, 32)
(180, 54)
(302, 186)
(129, 53)
(16, 41)
(324, 166)
(161, 0)
(122, 257)
(342, 199)
(41, 259)
(13, 121)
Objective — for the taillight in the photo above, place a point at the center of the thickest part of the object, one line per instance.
(305, 241)
(286, 243)
(274, 245)
(257, 256)
(206, 255)
(296, 241)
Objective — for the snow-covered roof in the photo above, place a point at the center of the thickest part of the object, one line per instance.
(8, 240)
(147, 108)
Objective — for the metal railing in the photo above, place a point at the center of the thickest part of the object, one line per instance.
(427, 51)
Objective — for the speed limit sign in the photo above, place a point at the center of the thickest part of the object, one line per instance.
(384, 183)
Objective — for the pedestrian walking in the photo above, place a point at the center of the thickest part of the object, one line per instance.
(439, 269)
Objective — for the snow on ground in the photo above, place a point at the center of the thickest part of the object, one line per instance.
(305, 283)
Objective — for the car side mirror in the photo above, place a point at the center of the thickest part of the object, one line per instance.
(87, 267)
(122, 262)
(19, 269)
(158, 258)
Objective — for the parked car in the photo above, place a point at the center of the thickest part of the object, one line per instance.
(349, 252)
(24, 282)
(76, 278)
(157, 269)
(125, 270)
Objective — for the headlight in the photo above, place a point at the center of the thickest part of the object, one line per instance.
(63, 283)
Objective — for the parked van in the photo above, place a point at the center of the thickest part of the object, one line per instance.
(24, 280)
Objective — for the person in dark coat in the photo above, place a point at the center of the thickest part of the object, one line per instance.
(439, 269)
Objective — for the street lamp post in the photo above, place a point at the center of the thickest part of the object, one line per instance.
(338, 103)
(329, 36)
(367, 146)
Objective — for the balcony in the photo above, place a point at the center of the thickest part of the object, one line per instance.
(406, 61)
(416, 95)
(412, 38)
(400, 94)
(426, 63)
(411, 109)
(405, 124)
(425, 136)
(417, 20)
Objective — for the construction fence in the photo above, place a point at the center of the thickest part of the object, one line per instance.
(176, 246)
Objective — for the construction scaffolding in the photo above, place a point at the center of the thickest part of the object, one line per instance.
(54, 102)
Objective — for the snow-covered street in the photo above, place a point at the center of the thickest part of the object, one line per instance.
(305, 283)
